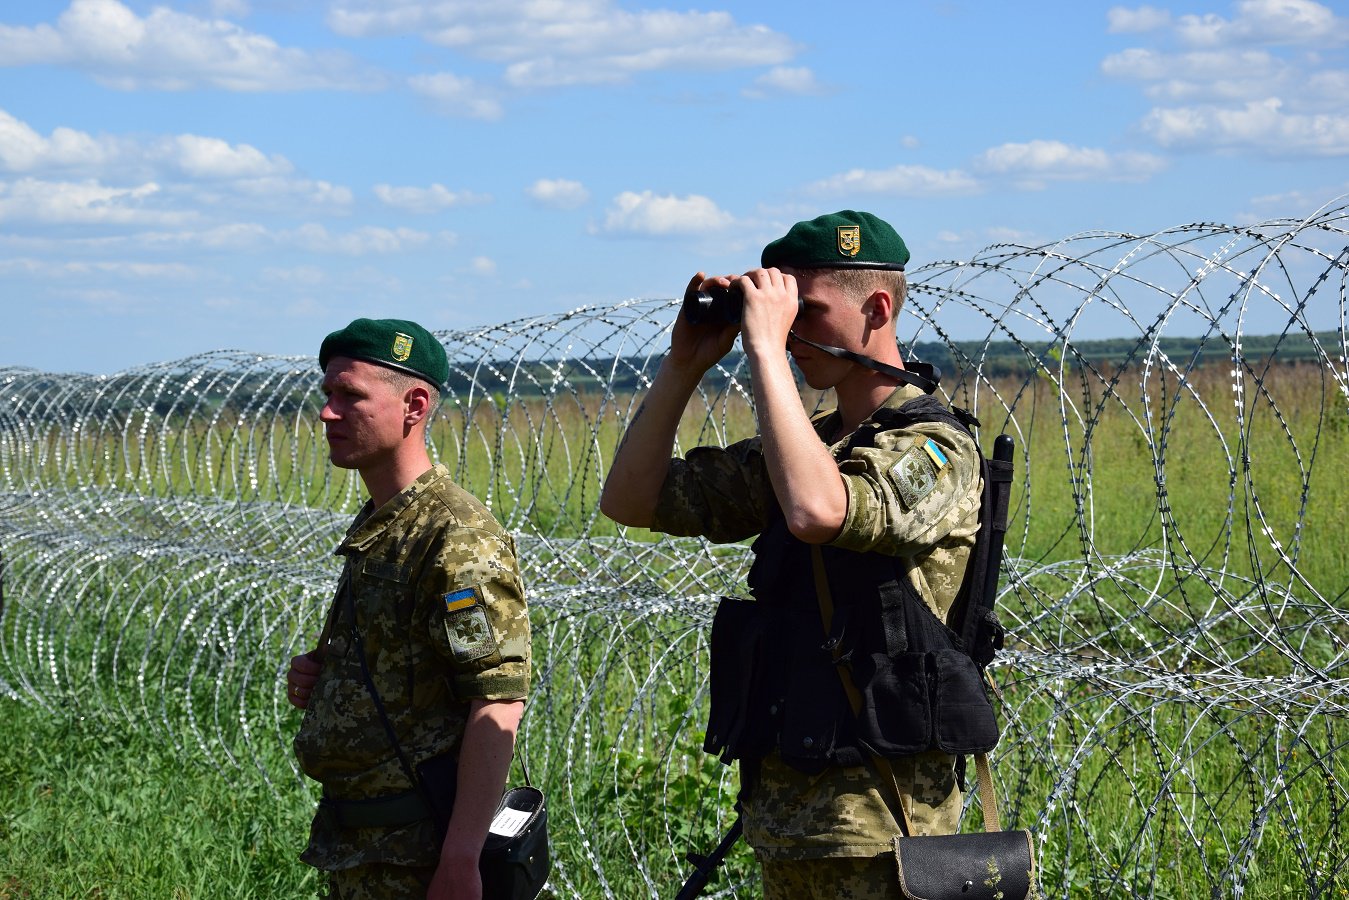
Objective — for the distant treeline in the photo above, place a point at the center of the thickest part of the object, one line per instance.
(260, 396)
(1008, 358)
(999, 358)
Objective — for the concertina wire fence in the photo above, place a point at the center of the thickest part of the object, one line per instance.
(1174, 690)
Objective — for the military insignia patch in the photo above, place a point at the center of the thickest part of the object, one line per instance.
(402, 346)
(466, 626)
(935, 452)
(849, 239)
(915, 475)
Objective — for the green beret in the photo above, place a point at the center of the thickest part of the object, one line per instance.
(393, 343)
(841, 240)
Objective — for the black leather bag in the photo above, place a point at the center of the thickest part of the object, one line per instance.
(989, 865)
(515, 860)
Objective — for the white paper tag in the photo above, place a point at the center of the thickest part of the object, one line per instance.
(508, 822)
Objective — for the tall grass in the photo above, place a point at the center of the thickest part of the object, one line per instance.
(102, 794)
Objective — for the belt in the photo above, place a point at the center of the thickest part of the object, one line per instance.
(389, 811)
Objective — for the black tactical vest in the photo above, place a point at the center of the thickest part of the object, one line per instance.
(774, 682)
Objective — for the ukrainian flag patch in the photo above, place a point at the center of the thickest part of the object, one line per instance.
(458, 600)
(466, 627)
(936, 454)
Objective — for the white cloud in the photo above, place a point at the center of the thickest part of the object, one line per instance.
(169, 50)
(272, 195)
(1265, 22)
(61, 269)
(904, 181)
(206, 157)
(87, 202)
(1133, 21)
(482, 265)
(24, 150)
(425, 200)
(457, 96)
(559, 193)
(190, 172)
(1033, 163)
(550, 44)
(652, 214)
(1260, 125)
(1258, 81)
(799, 81)
(358, 242)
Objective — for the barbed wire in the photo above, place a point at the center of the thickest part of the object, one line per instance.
(1175, 689)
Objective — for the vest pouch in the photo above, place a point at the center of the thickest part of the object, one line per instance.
(809, 738)
(964, 720)
(744, 661)
(896, 717)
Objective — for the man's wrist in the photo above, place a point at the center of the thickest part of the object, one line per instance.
(459, 853)
(680, 375)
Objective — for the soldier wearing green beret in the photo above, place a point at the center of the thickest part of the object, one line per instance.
(413, 696)
(893, 505)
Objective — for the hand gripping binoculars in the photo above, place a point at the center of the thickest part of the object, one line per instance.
(719, 305)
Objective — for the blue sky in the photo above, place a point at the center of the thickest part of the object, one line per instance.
(205, 174)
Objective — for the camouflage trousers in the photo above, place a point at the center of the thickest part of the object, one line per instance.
(379, 881)
(834, 878)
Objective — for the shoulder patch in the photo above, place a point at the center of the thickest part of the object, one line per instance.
(915, 475)
(466, 626)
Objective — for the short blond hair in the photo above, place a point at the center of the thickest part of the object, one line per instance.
(401, 383)
(860, 283)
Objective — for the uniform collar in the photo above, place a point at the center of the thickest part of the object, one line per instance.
(827, 422)
(370, 523)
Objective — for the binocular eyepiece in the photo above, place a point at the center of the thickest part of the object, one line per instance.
(719, 305)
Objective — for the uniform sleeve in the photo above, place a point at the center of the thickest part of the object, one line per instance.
(722, 494)
(479, 622)
(914, 488)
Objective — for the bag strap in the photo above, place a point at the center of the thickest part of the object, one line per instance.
(359, 646)
(988, 798)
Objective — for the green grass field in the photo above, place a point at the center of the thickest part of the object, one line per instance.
(95, 802)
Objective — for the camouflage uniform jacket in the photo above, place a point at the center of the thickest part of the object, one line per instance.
(905, 500)
(441, 612)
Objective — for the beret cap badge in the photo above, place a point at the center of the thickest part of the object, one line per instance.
(849, 239)
(402, 346)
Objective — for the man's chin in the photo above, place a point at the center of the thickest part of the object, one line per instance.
(338, 459)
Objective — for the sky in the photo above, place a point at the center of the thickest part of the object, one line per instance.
(197, 175)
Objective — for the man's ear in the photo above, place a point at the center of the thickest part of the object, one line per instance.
(878, 308)
(416, 404)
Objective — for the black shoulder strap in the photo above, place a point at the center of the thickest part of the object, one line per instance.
(358, 646)
(971, 612)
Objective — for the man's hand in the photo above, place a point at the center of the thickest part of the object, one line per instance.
(456, 880)
(699, 347)
(770, 309)
(304, 672)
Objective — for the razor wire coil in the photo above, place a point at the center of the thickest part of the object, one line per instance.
(1174, 586)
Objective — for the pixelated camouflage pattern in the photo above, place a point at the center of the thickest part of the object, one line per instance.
(379, 881)
(725, 495)
(845, 878)
(402, 559)
(847, 811)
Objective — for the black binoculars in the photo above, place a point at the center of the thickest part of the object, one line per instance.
(719, 305)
